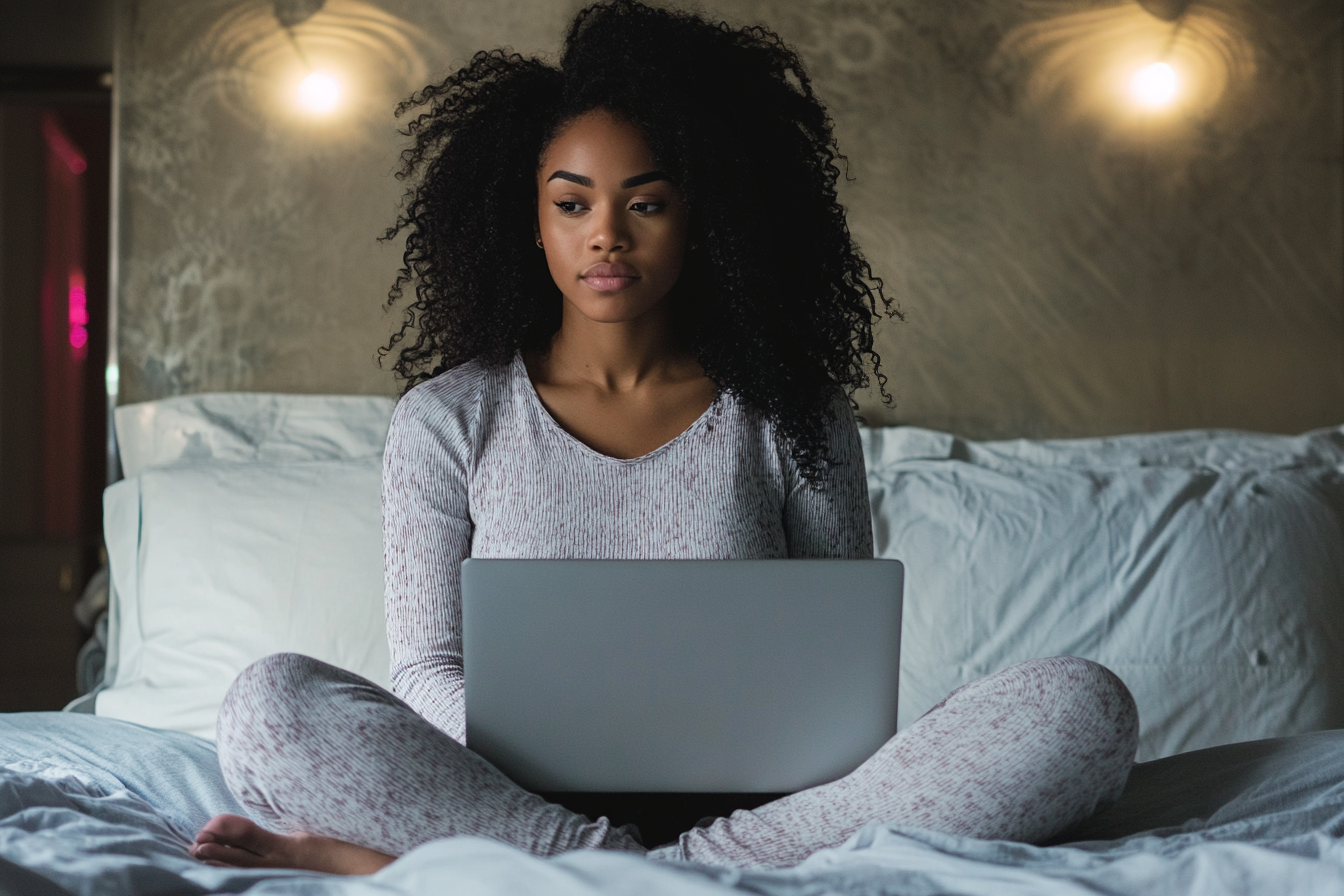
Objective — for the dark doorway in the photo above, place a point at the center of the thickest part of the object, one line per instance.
(55, 149)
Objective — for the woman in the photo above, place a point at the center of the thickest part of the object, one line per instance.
(637, 308)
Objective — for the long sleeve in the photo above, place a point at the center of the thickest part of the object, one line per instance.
(833, 517)
(427, 532)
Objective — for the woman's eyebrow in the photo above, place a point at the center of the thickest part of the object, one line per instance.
(584, 181)
(572, 177)
(640, 179)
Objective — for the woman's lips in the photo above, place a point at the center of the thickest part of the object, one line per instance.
(609, 277)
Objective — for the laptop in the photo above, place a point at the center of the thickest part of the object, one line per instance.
(693, 676)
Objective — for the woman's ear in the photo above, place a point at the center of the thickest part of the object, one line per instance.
(536, 220)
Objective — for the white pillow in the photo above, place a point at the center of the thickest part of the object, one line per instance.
(217, 565)
(1194, 448)
(222, 427)
(1216, 594)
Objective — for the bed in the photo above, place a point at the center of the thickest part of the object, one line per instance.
(1206, 568)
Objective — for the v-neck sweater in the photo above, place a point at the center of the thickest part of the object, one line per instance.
(475, 466)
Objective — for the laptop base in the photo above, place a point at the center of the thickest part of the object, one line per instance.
(660, 817)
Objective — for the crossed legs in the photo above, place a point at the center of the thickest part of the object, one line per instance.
(348, 776)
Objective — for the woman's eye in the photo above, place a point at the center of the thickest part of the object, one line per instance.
(646, 208)
(568, 206)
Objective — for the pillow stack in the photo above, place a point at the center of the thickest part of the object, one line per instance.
(247, 525)
(1205, 568)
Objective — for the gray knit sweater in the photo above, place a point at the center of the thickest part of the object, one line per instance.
(476, 467)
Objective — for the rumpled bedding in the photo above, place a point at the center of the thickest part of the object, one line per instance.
(91, 805)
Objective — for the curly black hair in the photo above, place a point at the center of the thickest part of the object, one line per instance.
(776, 301)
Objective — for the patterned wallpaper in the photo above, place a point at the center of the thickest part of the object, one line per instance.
(1068, 265)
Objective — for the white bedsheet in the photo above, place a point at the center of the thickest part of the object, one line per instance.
(82, 807)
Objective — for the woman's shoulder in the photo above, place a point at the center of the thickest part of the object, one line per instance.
(447, 406)
(448, 390)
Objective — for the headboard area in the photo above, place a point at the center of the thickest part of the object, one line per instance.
(1096, 220)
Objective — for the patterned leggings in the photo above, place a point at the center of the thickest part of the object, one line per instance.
(1020, 755)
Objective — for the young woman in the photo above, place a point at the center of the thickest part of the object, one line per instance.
(637, 310)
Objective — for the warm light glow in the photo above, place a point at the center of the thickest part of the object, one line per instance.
(1129, 71)
(374, 58)
(319, 93)
(1154, 86)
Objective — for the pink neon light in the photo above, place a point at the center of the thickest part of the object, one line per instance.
(78, 314)
(61, 145)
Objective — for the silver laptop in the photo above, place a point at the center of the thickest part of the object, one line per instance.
(743, 676)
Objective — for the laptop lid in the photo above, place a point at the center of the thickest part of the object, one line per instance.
(744, 676)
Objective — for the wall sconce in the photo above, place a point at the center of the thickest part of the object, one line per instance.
(1156, 85)
(319, 92)
(295, 12)
(1166, 10)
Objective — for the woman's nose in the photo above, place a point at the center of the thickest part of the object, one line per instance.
(609, 232)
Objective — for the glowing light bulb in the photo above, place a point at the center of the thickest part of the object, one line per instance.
(1154, 86)
(319, 93)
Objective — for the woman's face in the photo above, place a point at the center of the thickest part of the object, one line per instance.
(612, 225)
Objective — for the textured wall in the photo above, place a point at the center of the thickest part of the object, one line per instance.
(1067, 267)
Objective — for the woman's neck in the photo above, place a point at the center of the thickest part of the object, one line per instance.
(618, 356)
(622, 388)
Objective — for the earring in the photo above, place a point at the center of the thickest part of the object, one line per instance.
(539, 245)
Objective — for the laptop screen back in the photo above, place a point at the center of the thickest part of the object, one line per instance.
(740, 676)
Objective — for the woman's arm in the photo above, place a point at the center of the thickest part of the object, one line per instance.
(832, 518)
(426, 536)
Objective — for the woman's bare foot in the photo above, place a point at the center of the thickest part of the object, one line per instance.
(235, 841)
